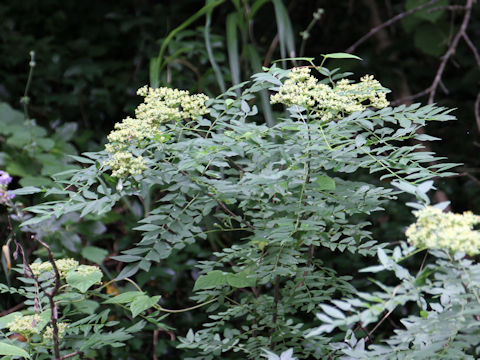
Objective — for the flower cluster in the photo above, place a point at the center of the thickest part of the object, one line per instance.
(328, 102)
(64, 266)
(86, 270)
(48, 334)
(439, 230)
(25, 325)
(160, 106)
(165, 104)
(5, 195)
(123, 163)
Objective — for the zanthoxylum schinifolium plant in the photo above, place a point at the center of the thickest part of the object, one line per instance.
(445, 289)
(286, 197)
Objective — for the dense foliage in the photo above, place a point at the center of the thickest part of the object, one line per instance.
(233, 224)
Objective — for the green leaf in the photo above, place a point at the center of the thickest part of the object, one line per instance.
(325, 183)
(341, 56)
(94, 254)
(33, 181)
(142, 303)
(87, 306)
(213, 279)
(7, 349)
(4, 320)
(308, 59)
(124, 298)
(240, 280)
(82, 280)
(333, 312)
(26, 190)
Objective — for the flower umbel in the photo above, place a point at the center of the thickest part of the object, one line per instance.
(25, 325)
(329, 102)
(160, 106)
(438, 230)
(64, 266)
(48, 334)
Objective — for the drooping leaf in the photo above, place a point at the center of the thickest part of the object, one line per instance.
(11, 350)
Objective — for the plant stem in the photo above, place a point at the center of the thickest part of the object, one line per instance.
(25, 99)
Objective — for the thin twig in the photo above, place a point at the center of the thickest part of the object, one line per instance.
(450, 51)
(231, 213)
(25, 100)
(393, 20)
(411, 97)
(276, 298)
(12, 309)
(448, 7)
(471, 177)
(423, 262)
(155, 342)
(472, 47)
(476, 110)
(385, 316)
(270, 51)
(50, 295)
(78, 352)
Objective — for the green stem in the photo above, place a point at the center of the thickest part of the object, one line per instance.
(25, 99)
(173, 311)
(411, 254)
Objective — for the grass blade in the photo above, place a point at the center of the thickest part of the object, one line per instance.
(159, 64)
(211, 58)
(232, 48)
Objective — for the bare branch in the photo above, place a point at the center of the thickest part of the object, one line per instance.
(448, 7)
(472, 47)
(388, 23)
(50, 295)
(411, 97)
(70, 355)
(450, 51)
(476, 109)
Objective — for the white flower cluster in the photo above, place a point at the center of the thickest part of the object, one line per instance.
(86, 270)
(63, 266)
(438, 230)
(25, 325)
(329, 102)
(160, 106)
(48, 334)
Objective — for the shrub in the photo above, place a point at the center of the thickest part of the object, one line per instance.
(273, 203)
